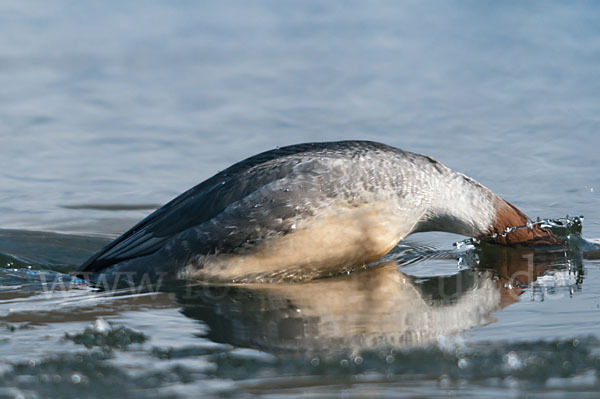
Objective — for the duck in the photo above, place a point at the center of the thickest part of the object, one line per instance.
(305, 211)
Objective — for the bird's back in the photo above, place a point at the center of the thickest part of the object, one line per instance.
(210, 198)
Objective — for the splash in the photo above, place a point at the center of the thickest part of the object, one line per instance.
(567, 229)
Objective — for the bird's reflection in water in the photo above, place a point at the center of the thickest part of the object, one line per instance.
(379, 306)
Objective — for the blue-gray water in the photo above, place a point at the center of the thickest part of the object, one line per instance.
(109, 109)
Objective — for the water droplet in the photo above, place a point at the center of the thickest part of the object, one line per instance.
(344, 363)
(76, 378)
(315, 361)
(512, 360)
(462, 363)
(101, 326)
(529, 224)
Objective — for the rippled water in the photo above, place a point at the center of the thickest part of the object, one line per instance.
(110, 109)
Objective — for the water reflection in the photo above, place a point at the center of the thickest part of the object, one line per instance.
(380, 306)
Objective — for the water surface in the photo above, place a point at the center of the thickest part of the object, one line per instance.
(110, 109)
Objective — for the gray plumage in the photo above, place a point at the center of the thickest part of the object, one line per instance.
(267, 195)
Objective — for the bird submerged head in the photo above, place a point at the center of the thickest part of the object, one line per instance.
(513, 227)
